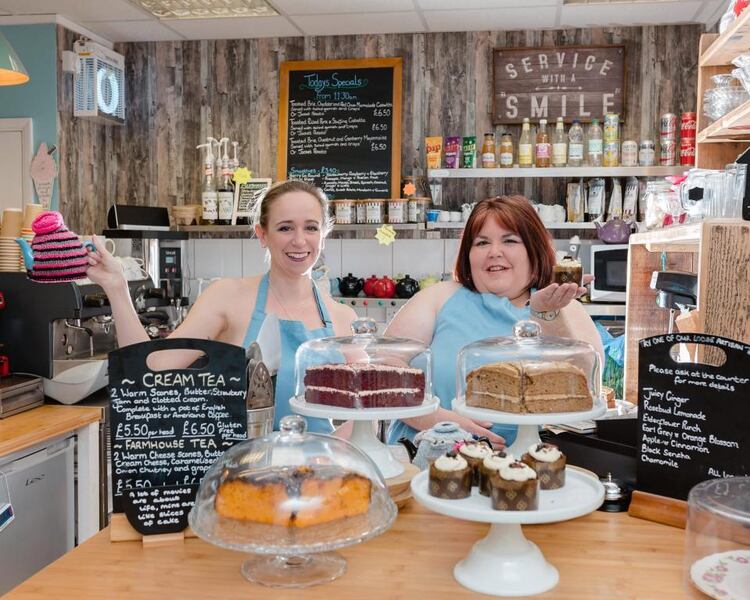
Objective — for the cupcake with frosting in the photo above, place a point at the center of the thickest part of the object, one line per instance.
(568, 270)
(514, 487)
(492, 463)
(549, 464)
(475, 453)
(450, 477)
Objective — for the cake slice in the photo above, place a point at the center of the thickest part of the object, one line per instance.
(555, 387)
(495, 386)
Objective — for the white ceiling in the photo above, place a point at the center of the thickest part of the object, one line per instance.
(123, 21)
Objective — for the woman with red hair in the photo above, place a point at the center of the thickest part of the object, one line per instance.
(503, 274)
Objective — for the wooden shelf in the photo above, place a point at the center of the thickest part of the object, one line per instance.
(729, 44)
(732, 127)
(562, 172)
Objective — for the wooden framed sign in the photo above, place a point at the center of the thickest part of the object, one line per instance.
(246, 196)
(572, 82)
(168, 427)
(693, 418)
(340, 126)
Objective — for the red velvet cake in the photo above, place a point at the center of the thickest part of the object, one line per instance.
(364, 385)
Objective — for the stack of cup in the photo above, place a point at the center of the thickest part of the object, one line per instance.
(688, 129)
(10, 252)
(667, 139)
(30, 212)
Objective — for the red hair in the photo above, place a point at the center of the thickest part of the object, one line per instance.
(516, 214)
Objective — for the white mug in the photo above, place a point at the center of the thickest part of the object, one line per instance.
(109, 243)
(456, 216)
(444, 216)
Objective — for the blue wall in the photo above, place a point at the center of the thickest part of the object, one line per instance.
(36, 46)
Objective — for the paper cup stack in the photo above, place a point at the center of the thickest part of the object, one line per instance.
(10, 253)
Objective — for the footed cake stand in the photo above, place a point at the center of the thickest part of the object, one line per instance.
(505, 563)
(528, 424)
(364, 426)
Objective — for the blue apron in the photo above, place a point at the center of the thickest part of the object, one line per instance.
(292, 334)
(465, 317)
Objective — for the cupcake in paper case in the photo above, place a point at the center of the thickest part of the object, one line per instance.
(514, 487)
(450, 477)
(491, 464)
(59, 255)
(549, 464)
(568, 270)
(475, 453)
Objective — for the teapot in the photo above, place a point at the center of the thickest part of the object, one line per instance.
(384, 287)
(350, 286)
(466, 209)
(433, 443)
(428, 281)
(614, 231)
(62, 254)
(368, 287)
(406, 287)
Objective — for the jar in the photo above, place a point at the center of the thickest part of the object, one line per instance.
(506, 150)
(345, 212)
(418, 209)
(397, 210)
(361, 208)
(374, 210)
(488, 151)
(629, 154)
(663, 206)
(647, 154)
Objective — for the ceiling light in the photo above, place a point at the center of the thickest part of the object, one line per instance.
(12, 71)
(206, 9)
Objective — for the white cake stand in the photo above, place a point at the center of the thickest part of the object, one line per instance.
(363, 432)
(505, 563)
(528, 424)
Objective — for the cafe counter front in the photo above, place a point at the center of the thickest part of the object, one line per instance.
(601, 555)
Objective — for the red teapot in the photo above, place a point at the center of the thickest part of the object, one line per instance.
(368, 287)
(384, 287)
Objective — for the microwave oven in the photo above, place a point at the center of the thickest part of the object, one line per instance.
(609, 266)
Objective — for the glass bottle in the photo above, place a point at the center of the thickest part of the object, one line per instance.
(559, 145)
(543, 147)
(209, 197)
(488, 151)
(525, 147)
(506, 150)
(595, 145)
(225, 194)
(575, 145)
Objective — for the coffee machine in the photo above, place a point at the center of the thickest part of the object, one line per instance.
(61, 332)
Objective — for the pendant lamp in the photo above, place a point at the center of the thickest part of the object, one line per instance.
(12, 71)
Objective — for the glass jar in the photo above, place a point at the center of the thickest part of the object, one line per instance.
(717, 543)
(287, 496)
(663, 206)
(397, 210)
(418, 209)
(345, 212)
(489, 161)
(361, 207)
(374, 211)
(506, 150)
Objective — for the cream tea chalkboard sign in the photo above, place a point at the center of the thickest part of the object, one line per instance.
(572, 82)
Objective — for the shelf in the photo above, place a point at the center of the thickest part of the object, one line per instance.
(732, 42)
(517, 172)
(734, 123)
(681, 238)
(216, 229)
(375, 226)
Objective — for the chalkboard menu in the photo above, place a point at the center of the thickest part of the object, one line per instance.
(340, 126)
(167, 427)
(693, 418)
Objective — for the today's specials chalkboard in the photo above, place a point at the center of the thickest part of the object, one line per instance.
(340, 126)
(167, 427)
(693, 418)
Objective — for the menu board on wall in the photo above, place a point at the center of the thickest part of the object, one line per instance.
(693, 418)
(167, 427)
(340, 126)
(572, 82)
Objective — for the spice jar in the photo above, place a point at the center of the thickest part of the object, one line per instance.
(375, 210)
(345, 212)
(418, 209)
(488, 151)
(361, 208)
(397, 210)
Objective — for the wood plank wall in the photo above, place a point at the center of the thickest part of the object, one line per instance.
(180, 92)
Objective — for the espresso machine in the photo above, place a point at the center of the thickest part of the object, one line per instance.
(61, 332)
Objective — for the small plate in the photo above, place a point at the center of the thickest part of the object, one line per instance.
(724, 575)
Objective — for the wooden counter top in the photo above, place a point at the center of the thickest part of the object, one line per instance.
(39, 424)
(599, 556)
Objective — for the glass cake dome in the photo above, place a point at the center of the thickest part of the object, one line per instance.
(287, 496)
(363, 370)
(528, 373)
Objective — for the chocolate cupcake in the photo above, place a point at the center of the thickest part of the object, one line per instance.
(450, 477)
(549, 464)
(475, 453)
(514, 487)
(492, 463)
(568, 270)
